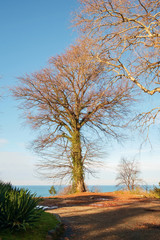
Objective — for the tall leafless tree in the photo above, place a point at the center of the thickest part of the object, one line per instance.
(128, 174)
(129, 35)
(66, 99)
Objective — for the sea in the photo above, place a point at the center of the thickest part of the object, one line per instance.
(43, 190)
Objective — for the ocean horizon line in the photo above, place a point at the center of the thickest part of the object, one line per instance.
(43, 190)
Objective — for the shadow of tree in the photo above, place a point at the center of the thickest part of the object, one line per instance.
(145, 232)
(125, 223)
(76, 200)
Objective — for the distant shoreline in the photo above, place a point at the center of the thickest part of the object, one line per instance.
(43, 190)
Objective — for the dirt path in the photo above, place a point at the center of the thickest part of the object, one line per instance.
(112, 219)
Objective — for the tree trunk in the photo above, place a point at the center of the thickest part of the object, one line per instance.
(78, 168)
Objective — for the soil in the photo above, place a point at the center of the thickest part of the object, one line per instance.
(107, 216)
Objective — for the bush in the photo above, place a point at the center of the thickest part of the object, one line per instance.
(45, 223)
(17, 208)
(66, 190)
(138, 190)
(95, 189)
(52, 190)
(156, 191)
(5, 186)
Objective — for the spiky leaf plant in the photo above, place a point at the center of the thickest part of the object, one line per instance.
(17, 208)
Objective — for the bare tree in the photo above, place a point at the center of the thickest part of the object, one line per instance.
(128, 174)
(129, 35)
(66, 99)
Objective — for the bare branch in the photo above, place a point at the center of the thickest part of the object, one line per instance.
(128, 174)
(128, 35)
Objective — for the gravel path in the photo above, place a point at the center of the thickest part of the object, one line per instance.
(137, 220)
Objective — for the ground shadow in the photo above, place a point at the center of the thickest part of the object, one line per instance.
(76, 200)
(125, 223)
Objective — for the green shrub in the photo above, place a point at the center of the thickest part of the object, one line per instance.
(45, 223)
(156, 191)
(17, 208)
(5, 186)
(52, 190)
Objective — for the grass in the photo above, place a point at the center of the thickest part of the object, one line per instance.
(136, 191)
(142, 192)
(46, 222)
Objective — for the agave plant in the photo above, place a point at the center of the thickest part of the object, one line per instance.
(5, 186)
(17, 208)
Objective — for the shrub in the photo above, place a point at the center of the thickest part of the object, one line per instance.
(52, 190)
(138, 190)
(17, 208)
(45, 223)
(156, 191)
(66, 190)
(5, 186)
(95, 189)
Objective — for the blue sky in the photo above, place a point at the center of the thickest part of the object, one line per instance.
(31, 32)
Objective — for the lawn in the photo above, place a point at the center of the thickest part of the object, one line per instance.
(46, 222)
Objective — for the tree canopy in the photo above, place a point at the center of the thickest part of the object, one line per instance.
(128, 33)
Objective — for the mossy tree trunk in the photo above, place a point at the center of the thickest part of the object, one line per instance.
(77, 163)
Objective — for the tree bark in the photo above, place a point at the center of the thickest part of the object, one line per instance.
(77, 163)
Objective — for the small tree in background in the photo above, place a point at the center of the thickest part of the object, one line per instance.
(52, 190)
(128, 174)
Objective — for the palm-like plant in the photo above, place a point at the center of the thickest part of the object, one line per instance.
(17, 207)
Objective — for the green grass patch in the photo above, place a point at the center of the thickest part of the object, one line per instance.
(46, 222)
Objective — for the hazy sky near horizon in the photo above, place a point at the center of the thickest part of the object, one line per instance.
(30, 33)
